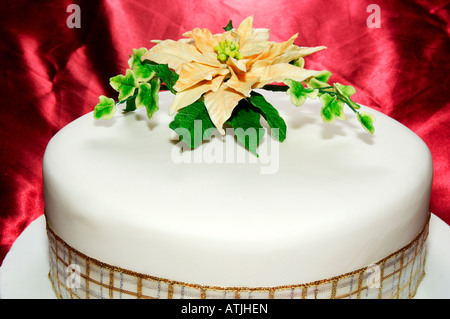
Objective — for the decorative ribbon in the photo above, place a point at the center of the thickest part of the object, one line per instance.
(75, 275)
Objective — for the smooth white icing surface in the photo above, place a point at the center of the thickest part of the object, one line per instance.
(330, 199)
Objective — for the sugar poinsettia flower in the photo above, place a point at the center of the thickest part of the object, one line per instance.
(224, 68)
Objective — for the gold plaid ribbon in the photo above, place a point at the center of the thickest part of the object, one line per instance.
(77, 276)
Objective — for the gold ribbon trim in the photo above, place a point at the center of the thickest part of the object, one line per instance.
(76, 276)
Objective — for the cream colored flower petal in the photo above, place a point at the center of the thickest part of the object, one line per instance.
(218, 37)
(256, 44)
(280, 72)
(260, 34)
(239, 66)
(261, 64)
(220, 105)
(209, 58)
(194, 72)
(291, 53)
(304, 51)
(294, 52)
(231, 35)
(173, 53)
(252, 48)
(203, 38)
(189, 96)
(274, 49)
(190, 41)
(242, 82)
(252, 41)
(245, 29)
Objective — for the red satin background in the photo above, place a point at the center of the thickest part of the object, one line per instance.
(52, 74)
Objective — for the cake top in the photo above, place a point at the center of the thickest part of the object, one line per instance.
(214, 78)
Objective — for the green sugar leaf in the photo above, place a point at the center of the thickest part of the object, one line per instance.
(166, 75)
(366, 120)
(247, 126)
(229, 26)
(323, 76)
(148, 96)
(105, 108)
(277, 124)
(142, 71)
(300, 62)
(345, 92)
(298, 93)
(319, 81)
(125, 85)
(135, 58)
(332, 108)
(192, 124)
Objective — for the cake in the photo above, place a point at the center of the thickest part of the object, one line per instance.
(133, 211)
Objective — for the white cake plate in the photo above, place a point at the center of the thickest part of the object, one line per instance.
(24, 272)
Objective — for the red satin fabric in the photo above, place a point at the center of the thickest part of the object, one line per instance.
(51, 74)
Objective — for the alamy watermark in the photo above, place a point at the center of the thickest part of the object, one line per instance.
(374, 19)
(74, 19)
(224, 149)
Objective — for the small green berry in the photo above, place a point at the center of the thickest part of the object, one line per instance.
(222, 57)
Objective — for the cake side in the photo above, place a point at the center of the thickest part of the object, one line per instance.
(331, 200)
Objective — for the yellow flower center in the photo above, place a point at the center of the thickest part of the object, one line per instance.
(226, 49)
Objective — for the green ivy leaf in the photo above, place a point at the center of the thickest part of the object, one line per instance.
(319, 81)
(271, 115)
(332, 107)
(323, 76)
(125, 85)
(142, 71)
(148, 96)
(229, 26)
(345, 92)
(192, 124)
(366, 120)
(166, 75)
(300, 62)
(105, 108)
(247, 126)
(298, 93)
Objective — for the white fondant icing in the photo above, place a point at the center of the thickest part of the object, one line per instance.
(330, 199)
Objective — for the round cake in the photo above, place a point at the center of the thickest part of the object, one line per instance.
(124, 198)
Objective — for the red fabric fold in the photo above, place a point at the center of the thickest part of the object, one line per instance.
(51, 73)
